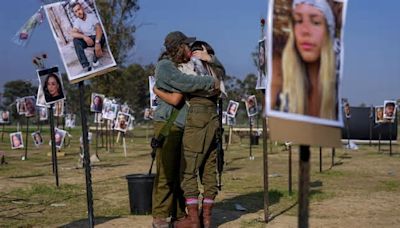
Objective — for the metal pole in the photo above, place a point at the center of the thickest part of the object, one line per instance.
(370, 131)
(320, 159)
(290, 170)
(251, 138)
(26, 138)
(97, 138)
(304, 183)
(390, 138)
(2, 133)
(265, 167)
(53, 144)
(86, 156)
(333, 156)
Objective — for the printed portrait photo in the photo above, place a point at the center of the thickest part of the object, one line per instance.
(59, 136)
(81, 38)
(58, 108)
(224, 116)
(40, 101)
(4, 117)
(96, 104)
(389, 110)
(122, 122)
(125, 108)
(16, 140)
(148, 114)
(109, 109)
(304, 60)
(262, 64)
(232, 108)
(37, 138)
(153, 96)
(70, 120)
(20, 103)
(30, 106)
(251, 106)
(379, 114)
(42, 113)
(346, 108)
(52, 85)
(98, 118)
(231, 121)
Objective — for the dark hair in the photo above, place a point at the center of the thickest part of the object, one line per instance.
(72, 5)
(390, 104)
(198, 45)
(176, 54)
(47, 95)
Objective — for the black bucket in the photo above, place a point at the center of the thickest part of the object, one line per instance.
(140, 187)
(254, 139)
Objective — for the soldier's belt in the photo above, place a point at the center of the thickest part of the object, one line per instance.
(209, 109)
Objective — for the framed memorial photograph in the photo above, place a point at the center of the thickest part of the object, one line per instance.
(37, 138)
(232, 108)
(346, 108)
(109, 109)
(389, 110)
(43, 114)
(59, 136)
(20, 103)
(96, 104)
(4, 117)
(379, 114)
(122, 122)
(51, 84)
(98, 118)
(16, 140)
(40, 100)
(81, 39)
(30, 106)
(58, 108)
(301, 108)
(153, 96)
(262, 66)
(224, 116)
(148, 114)
(251, 106)
(70, 120)
(230, 120)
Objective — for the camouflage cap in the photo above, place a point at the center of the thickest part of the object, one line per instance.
(174, 39)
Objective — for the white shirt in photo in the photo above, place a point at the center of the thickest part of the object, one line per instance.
(88, 26)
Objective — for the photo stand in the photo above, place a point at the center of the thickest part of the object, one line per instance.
(25, 157)
(320, 159)
(251, 120)
(290, 170)
(53, 144)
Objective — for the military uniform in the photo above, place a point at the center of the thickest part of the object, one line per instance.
(166, 190)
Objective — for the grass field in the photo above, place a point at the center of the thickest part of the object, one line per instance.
(362, 189)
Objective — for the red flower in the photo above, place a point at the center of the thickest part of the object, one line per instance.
(44, 55)
(262, 21)
(23, 36)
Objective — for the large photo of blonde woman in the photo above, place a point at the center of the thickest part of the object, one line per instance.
(305, 54)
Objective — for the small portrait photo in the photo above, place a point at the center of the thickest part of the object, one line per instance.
(153, 96)
(390, 110)
(230, 120)
(58, 108)
(30, 106)
(122, 122)
(346, 108)
(109, 109)
(16, 140)
(40, 101)
(251, 105)
(80, 38)
(379, 114)
(20, 102)
(59, 136)
(305, 64)
(52, 85)
(37, 138)
(98, 118)
(148, 114)
(262, 66)
(70, 120)
(232, 108)
(4, 117)
(43, 115)
(125, 108)
(96, 102)
(224, 117)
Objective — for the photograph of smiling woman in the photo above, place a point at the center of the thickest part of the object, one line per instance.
(305, 74)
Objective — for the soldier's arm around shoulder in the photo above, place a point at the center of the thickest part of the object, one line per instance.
(169, 74)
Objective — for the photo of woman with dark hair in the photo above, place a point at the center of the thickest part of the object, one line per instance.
(97, 102)
(52, 88)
